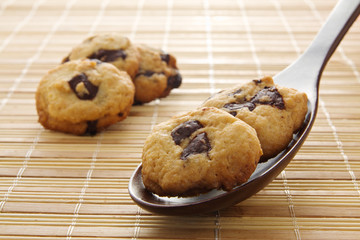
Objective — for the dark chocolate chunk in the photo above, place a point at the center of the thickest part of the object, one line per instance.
(91, 88)
(148, 73)
(266, 96)
(91, 128)
(199, 144)
(108, 55)
(165, 57)
(174, 81)
(256, 81)
(137, 103)
(66, 59)
(234, 113)
(120, 114)
(145, 73)
(184, 130)
(269, 96)
(237, 106)
(236, 92)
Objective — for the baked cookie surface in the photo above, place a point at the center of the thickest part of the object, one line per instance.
(83, 97)
(275, 112)
(157, 75)
(198, 151)
(112, 48)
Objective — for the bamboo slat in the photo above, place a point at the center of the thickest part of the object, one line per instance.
(60, 186)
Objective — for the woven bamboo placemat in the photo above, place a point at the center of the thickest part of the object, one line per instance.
(59, 186)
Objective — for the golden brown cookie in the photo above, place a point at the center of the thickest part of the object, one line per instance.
(198, 151)
(275, 112)
(157, 76)
(112, 48)
(83, 97)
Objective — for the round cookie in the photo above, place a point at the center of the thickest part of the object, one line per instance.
(83, 97)
(275, 112)
(108, 47)
(157, 76)
(198, 151)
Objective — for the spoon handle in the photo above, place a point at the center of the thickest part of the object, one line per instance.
(310, 65)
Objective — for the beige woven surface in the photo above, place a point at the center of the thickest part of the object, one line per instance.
(59, 186)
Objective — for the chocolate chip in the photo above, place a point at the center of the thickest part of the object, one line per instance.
(91, 88)
(269, 96)
(184, 130)
(237, 106)
(174, 81)
(148, 73)
(199, 144)
(145, 73)
(236, 92)
(108, 55)
(256, 81)
(165, 57)
(91, 128)
(66, 59)
(120, 114)
(234, 113)
(266, 96)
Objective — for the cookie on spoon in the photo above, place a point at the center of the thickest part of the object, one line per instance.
(275, 112)
(199, 151)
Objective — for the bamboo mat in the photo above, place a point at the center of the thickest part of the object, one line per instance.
(59, 186)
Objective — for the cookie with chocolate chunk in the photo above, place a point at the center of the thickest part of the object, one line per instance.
(108, 47)
(275, 112)
(83, 97)
(198, 151)
(157, 75)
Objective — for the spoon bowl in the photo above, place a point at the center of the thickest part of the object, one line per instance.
(304, 75)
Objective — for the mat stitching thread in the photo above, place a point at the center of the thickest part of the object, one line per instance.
(137, 226)
(208, 30)
(21, 170)
(20, 25)
(339, 145)
(209, 44)
(283, 173)
(140, 7)
(29, 62)
(323, 107)
(98, 18)
(5, 4)
(291, 204)
(98, 144)
(168, 24)
(139, 10)
(250, 37)
(339, 49)
(84, 188)
(8, 40)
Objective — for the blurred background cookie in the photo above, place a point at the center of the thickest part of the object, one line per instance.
(83, 97)
(112, 47)
(157, 75)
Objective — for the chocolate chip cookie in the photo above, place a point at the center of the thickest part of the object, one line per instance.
(83, 97)
(108, 47)
(275, 112)
(198, 151)
(157, 75)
